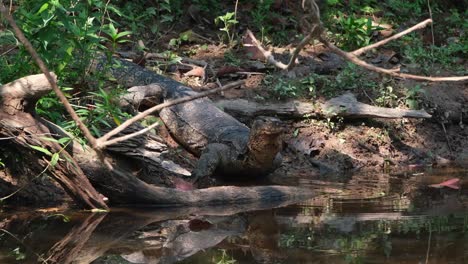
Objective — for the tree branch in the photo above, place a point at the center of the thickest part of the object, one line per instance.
(350, 56)
(19, 34)
(126, 137)
(393, 72)
(396, 36)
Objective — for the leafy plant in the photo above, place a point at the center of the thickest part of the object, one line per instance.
(354, 32)
(424, 58)
(401, 10)
(225, 259)
(169, 10)
(18, 254)
(412, 96)
(100, 113)
(115, 37)
(231, 58)
(285, 89)
(387, 97)
(228, 22)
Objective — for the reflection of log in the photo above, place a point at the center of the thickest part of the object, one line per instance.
(68, 248)
(18, 100)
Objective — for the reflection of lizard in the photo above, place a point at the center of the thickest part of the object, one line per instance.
(257, 156)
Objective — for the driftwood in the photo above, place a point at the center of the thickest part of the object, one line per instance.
(345, 105)
(29, 88)
(247, 110)
(23, 131)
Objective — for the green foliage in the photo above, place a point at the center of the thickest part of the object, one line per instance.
(138, 17)
(261, 17)
(354, 32)
(169, 10)
(289, 88)
(18, 254)
(102, 112)
(228, 22)
(350, 78)
(115, 37)
(400, 10)
(424, 58)
(208, 6)
(225, 258)
(412, 96)
(61, 31)
(387, 97)
(285, 88)
(230, 58)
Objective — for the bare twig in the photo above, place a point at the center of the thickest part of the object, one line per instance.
(300, 46)
(267, 54)
(126, 137)
(153, 109)
(393, 72)
(19, 34)
(396, 36)
(350, 56)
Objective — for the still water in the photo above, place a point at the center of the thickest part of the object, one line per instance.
(371, 218)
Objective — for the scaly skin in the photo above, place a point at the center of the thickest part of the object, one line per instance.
(225, 145)
(260, 156)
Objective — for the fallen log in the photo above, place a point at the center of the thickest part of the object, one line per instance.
(25, 132)
(123, 188)
(347, 105)
(246, 111)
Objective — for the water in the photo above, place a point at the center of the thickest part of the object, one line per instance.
(368, 218)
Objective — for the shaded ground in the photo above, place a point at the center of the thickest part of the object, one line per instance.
(337, 145)
(369, 144)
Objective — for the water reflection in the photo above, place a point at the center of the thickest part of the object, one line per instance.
(380, 219)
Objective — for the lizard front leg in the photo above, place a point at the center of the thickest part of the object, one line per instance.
(210, 159)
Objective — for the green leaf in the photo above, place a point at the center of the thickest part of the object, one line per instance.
(41, 149)
(123, 33)
(54, 159)
(64, 140)
(49, 139)
(43, 8)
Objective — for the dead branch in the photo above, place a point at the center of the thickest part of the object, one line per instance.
(24, 92)
(393, 72)
(30, 86)
(19, 34)
(267, 54)
(317, 29)
(421, 25)
(347, 105)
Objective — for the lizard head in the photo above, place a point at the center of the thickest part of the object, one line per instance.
(267, 126)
